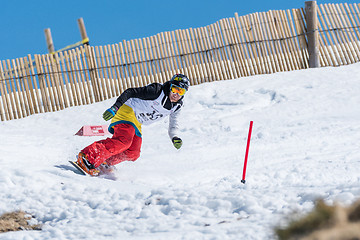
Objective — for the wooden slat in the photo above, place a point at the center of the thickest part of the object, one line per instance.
(302, 24)
(12, 91)
(182, 56)
(217, 40)
(52, 82)
(330, 25)
(149, 65)
(60, 82)
(77, 76)
(353, 24)
(290, 31)
(325, 59)
(65, 79)
(286, 45)
(153, 62)
(121, 67)
(52, 62)
(198, 56)
(104, 78)
(3, 100)
(145, 79)
(8, 91)
(92, 89)
(300, 29)
(275, 26)
(72, 90)
(211, 53)
(33, 76)
(210, 71)
(15, 89)
(5, 96)
(189, 65)
(125, 65)
(28, 88)
(292, 54)
(130, 64)
(85, 62)
(19, 93)
(270, 45)
(328, 40)
(158, 61)
(230, 52)
(343, 36)
(133, 64)
(134, 59)
(175, 52)
(301, 39)
(100, 70)
(242, 66)
(189, 48)
(143, 67)
(108, 71)
(114, 68)
(118, 69)
(74, 77)
(350, 40)
(279, 43)
(297, 49)
(244, 29)
(355, 20)
(240, 39)
(250, 43)
(166, 38)
(215, 53)
(171, 54)
(227, 44)
(345, 18)
(42, 84)
(261, 45)
(163, 60)
(50, 89)
(193, 71)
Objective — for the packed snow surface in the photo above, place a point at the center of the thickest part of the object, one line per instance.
(304, 146)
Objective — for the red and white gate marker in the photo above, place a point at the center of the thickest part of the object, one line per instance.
(88, 130)
(247, 152)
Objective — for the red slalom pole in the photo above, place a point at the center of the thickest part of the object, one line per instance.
(247, 152)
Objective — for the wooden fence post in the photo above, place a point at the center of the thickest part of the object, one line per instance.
(49, 41)
(312, 33)
(83, 33)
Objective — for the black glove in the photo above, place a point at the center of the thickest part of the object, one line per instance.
(110, 113)
(177, 142)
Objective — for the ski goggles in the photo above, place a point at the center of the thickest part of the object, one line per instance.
(179, 90)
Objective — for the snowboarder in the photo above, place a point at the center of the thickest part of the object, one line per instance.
(133, 108)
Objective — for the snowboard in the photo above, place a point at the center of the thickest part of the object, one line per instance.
(80, 170)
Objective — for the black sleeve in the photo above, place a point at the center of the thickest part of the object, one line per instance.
(149, 92)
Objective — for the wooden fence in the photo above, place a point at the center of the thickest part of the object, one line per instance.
(258, 43)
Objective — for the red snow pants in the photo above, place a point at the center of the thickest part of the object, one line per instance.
(123, 146)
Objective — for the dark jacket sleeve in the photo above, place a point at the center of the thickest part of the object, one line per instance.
(149, 92)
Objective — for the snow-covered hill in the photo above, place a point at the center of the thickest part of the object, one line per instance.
(305, 145)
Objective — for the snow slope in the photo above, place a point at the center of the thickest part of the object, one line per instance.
(305, 145)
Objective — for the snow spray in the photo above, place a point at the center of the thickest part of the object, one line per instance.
(247, 152)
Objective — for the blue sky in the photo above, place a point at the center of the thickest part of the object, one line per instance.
(111, 21)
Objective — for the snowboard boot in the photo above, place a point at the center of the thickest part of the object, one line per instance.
(106, 168)
(84, 163)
